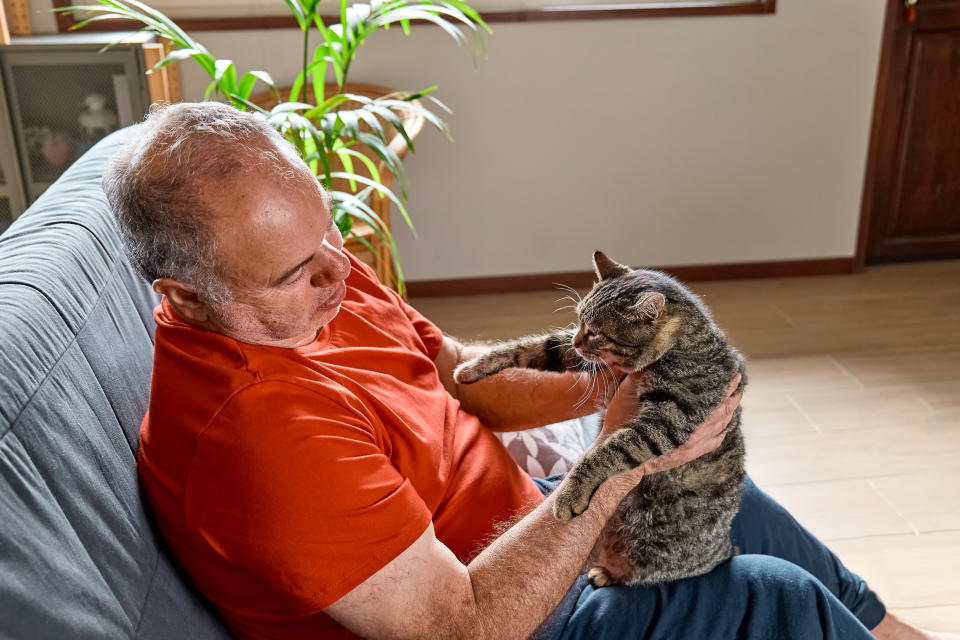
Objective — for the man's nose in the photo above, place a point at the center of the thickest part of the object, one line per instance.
(334, 267)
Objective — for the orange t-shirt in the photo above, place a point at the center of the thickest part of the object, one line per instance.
(283, 478)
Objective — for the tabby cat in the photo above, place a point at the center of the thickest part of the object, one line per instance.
(676, 523)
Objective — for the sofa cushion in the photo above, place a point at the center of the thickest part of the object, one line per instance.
(79, 557)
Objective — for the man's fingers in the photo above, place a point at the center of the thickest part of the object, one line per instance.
(729, 406)
(718, 419)
(733, 385)
(705, 438)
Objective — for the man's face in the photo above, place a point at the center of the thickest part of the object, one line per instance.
(282, 257)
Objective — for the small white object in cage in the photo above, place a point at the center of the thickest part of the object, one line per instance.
(96, 118)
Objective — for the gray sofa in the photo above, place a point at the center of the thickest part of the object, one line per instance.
(79, 556)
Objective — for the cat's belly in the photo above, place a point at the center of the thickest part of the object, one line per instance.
(676, 524)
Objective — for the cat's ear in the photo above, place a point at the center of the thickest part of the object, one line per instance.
(607, 268)
(649, 306)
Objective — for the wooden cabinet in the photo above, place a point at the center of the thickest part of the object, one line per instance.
(60, 95)
(912, 192)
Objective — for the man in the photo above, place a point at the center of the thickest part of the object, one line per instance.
(317, 471)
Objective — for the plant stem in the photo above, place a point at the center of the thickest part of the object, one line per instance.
(343, 77)
(306, 38)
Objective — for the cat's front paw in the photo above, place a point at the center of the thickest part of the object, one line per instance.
(572, 500)
(478, 369)
(469, 372)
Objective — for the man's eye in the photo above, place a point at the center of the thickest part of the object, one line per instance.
(297, 278)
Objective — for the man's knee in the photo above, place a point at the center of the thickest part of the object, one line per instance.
(752, 592)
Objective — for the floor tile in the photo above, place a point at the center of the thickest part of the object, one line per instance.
(772, 414)
(907, 570)
(838, 409)
(929, 500)
(790, 375)
(840, 509)
(919, 367)
(818, 457)
(945, 619)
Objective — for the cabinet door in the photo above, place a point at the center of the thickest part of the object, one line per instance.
(912, 194)
(63, 101)
(12, 202)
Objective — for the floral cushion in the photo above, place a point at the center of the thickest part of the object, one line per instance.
(553, 449)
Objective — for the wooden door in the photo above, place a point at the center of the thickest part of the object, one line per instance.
(911, 206)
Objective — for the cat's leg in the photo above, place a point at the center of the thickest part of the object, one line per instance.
(609, 563)
(660, 428)
(551, 352)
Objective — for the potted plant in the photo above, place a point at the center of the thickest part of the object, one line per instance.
(353, 141)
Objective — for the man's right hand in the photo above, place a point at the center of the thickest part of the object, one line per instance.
(510, 587)
(704, 439)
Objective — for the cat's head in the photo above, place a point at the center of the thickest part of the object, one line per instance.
(628, 319)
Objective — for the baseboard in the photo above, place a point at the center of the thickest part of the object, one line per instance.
(583, 279)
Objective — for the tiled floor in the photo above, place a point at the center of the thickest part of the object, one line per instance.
(852, 414)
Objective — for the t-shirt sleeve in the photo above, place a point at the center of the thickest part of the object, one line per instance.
(296, 488)
(429, 333)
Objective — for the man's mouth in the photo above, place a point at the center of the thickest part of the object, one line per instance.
(336, 296)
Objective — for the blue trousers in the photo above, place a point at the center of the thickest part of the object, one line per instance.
(785, 585)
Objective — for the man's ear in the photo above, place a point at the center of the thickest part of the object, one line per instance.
(183, 299)
(605, 268)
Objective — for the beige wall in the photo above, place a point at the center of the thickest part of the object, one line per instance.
(662, 141)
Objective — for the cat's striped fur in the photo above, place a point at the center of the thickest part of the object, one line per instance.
(676, 523)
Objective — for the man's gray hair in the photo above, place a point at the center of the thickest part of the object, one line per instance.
(155, 186)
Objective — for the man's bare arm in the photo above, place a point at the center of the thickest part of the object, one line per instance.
(514, 583)
(519, 398)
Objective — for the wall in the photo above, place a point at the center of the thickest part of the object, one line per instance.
(663, 141)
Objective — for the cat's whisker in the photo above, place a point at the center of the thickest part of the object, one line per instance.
(567, 287)
(576, 294)
(586, 392)
(591, 370)
(608, 381)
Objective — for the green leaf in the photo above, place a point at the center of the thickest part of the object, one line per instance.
(334, 101)
(319, 70)
(210, 89)
(298, 13)
(362, 211)
(296, 87)
(390, 159)
(470, 12)
(203, 58)
(226, 76)
(311, 154)
(253, 107)
(382, 190)
(249, 79)
(384, 112)
(344, 152)
(357, 208)
(284, 107)
(348, 167)
(416, 14)
(351, 123)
